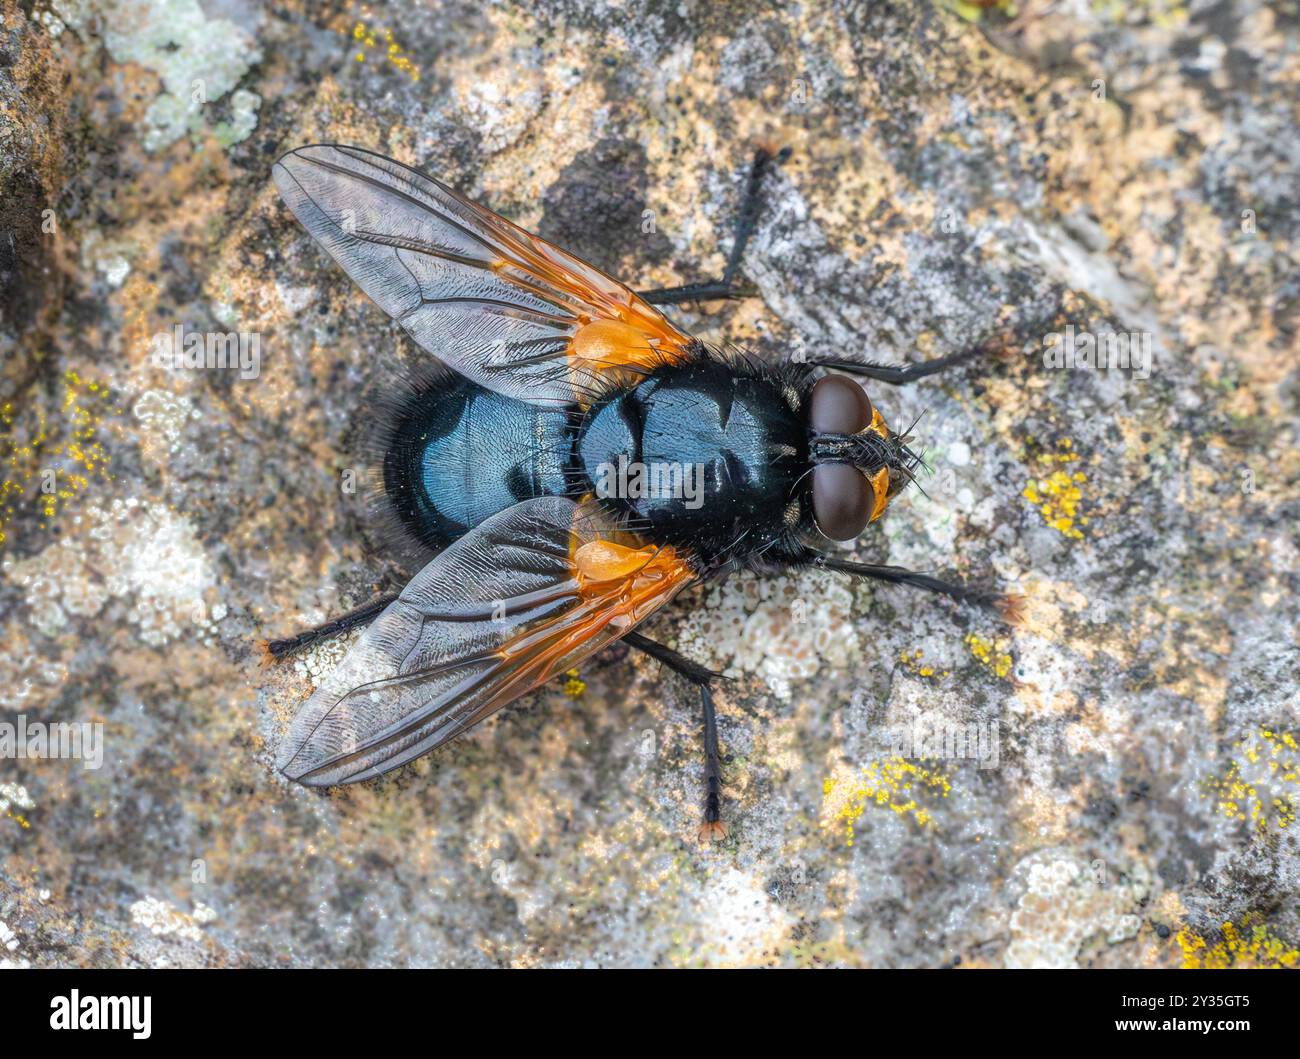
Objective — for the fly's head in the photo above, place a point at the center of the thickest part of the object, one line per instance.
(859, 464)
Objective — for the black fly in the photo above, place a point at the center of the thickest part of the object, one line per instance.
(577, 462)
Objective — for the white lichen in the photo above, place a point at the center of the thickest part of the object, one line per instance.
(145, 554)
(499, 110)
(163, 414)
(10, 957)
(14, 795)
(1065, 904)
(744, 923)
(782, 629)
(162, 920)
(321, 659)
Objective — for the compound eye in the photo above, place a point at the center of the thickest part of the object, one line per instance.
(842, 500)
(839, 406)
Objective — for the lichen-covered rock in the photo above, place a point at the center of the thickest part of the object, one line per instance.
(908, 783)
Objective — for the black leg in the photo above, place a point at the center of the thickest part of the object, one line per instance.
(897, 374)
(698, 292)
(750, 208)
(275, 650)
(1008, 607)
(713, 827)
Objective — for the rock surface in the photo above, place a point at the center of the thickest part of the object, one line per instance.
(960, 176)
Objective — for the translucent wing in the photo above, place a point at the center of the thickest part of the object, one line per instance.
(505, 308)
(530, 593)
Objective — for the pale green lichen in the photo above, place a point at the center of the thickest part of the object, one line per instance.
(198, 60)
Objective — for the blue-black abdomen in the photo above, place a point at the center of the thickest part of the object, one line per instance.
(464, 453)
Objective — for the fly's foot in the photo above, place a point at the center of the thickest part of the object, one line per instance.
(711, 831)
(1011, 607)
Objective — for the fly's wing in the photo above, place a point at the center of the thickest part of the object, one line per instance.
(505, 308)
(530, 593)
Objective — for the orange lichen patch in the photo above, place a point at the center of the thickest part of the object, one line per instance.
(1261, 784)
(1042, 818)
(910, 789)
(1057, 494)
(58, 462)
(1246, 943)
(139, 297)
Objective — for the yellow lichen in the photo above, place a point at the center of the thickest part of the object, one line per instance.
(973, 10)
(1247, 943)
(914, 664)
(59, 460)
(574, 685)
(991, 654)
(907, 788)
(1164, 14)
(1057, 494)
(368, 37)
(1260, 785)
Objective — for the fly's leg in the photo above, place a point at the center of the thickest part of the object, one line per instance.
(895, 374)
(713, 829)
(900, 374)
(750, 208)
(276, 650)
(698, 292)
(1009, 607)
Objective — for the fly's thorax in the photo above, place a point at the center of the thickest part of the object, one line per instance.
(697, 453)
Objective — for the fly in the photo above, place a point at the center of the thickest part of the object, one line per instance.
(546, 374)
